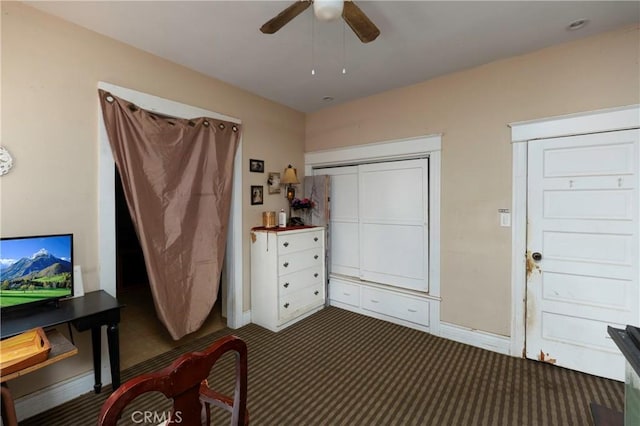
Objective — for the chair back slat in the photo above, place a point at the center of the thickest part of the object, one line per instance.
(185, 382)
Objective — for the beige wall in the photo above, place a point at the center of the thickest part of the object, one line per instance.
(473, 109)
(50, 71)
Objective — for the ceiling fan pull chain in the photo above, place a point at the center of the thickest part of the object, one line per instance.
(313, 46)
(344, 47)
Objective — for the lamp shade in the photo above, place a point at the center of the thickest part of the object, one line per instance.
(328, 10)
(289, 176)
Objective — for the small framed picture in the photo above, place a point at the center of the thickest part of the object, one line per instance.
(257, 194)
(274, 182)
(256, 166)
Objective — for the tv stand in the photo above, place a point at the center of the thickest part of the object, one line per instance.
(88, 312)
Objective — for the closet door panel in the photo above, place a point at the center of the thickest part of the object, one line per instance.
(393, 192)
(394, 255)
(345, 257)
(393, 219)
(344, 221)
(344, 194)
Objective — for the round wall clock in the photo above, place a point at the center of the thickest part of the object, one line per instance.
(6, 161)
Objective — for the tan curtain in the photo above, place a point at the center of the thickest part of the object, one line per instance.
(177, 176)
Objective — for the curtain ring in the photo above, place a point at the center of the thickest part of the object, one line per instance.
(206, 123)
(109, 98)
(235, 128)
(221, 125)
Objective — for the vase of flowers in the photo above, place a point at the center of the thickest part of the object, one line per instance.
(301, 204)
(302, 207)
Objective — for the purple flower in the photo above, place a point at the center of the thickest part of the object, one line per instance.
(301, 204)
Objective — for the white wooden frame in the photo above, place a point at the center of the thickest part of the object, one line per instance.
(429, 145)
(522, 133)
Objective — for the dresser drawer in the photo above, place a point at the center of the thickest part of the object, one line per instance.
(396, 305)
(344, 292)
(298, 280)
(295, 261)
(297, 302)
(298, 242)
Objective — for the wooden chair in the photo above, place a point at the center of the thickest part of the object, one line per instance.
(185, 382)
(9, 417)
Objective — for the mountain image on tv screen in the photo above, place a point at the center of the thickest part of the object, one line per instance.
(35, 269)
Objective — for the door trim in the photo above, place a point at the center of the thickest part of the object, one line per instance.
(522, 133)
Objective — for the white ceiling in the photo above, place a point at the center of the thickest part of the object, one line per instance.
(419, 40)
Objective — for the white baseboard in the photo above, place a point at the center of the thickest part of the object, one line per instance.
(477, 338)
(56, 394)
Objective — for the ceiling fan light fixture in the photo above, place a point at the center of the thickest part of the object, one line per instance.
(328, 10)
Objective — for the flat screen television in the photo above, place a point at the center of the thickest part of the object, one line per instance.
(35, 270)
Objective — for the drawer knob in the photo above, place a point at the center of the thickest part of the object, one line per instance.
(375, 301)
(412, 310)
(285, 264)
(315, 275)
(286, 285)
(286, 244)
(315, 257)
(315, 239)
(286, 305)
(316, 292)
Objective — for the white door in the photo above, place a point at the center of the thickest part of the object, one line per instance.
(378, 224)
(582, 249)
(393, 223)
(344, 231)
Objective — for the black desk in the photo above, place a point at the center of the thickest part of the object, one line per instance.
(88, 312)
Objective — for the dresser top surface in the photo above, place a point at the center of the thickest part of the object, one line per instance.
(286, 229)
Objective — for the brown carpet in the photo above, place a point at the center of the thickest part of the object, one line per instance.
(341, 368)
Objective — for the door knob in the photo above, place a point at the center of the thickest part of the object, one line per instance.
(536, 256)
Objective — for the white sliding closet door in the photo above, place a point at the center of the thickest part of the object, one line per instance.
(379, 222)
(393, 223)
(344, 224)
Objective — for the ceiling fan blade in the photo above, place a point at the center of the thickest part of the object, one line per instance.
(285, 16)
(359, 22)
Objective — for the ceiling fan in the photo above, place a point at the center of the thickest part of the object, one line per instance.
(327, 10)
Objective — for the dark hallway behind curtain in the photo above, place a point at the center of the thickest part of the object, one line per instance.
(177, 176)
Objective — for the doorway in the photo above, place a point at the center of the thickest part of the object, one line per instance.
(575, 242)
(232, 288)
(582, 247)
(139, 323)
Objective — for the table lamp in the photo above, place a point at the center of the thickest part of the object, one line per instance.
(290, 178)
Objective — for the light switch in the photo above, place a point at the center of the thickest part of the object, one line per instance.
(505, 217)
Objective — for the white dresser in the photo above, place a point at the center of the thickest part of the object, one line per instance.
(287, 275)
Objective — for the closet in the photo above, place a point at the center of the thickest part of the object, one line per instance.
(379, 240)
